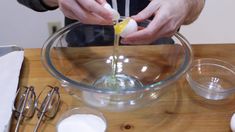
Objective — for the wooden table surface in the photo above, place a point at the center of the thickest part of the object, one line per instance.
(179, 110)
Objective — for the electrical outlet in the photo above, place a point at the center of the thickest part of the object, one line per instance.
(53, 27)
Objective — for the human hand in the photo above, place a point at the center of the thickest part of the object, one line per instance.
(86, 11)
(169, 15)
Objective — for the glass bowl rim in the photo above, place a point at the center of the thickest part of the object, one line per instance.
(213, 62)
(47, 63)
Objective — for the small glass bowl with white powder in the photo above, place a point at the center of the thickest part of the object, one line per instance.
(82, 119)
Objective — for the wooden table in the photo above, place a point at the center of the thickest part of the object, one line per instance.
(178, 110)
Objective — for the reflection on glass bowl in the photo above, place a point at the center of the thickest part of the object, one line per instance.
(212, 78)
(80, 57)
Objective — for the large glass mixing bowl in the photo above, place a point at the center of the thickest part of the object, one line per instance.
(81, 57)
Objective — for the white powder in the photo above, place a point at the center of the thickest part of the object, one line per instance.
(82, 123)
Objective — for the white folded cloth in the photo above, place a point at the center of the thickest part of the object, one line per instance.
(10, 65)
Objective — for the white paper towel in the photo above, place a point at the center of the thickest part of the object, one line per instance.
(10, 65)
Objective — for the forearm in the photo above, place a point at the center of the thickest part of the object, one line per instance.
(195, 7)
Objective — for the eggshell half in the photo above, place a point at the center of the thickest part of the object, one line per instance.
(130, 28)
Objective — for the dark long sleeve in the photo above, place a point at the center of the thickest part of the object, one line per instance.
(36, 5)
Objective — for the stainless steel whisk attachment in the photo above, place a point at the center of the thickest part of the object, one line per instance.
(49, 105)
(25, 107)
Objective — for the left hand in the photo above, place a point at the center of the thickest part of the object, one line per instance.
(86, 11)
(169, 15)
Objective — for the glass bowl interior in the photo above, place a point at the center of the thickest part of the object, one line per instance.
(89, 65)
(212, 78)
(81, 55)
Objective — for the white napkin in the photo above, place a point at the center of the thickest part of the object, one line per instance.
(10, 65)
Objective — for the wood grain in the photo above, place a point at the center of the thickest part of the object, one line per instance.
(179, 110)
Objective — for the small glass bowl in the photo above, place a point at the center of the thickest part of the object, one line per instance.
(81, 111)
(212, 78)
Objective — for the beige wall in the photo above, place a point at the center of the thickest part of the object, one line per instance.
(215, 25)
(22, 26)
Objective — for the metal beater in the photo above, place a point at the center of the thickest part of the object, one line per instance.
(49, 105)
(25, 107)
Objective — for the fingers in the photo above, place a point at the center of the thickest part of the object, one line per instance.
(75, 10)
(66, 7)
(148, 34)
(147, 12)
(101, 1)
(93, 6)
(164, 24)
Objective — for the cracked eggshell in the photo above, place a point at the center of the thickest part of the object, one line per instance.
(130, 28)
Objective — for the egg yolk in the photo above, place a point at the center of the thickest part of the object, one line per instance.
(119, 27)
